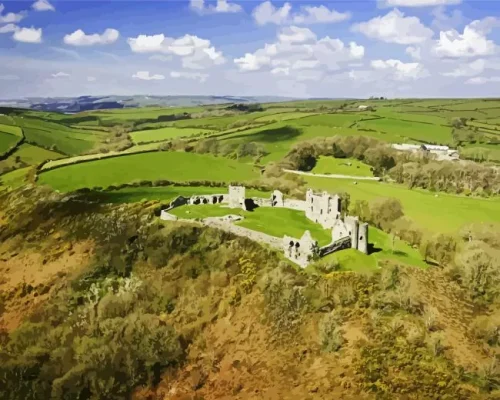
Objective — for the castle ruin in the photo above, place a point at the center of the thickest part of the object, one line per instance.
(321, 208)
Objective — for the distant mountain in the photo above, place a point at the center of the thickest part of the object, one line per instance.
(86, 103)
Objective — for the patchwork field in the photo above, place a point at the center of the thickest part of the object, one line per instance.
(174, 166)
(156, 135)
(7, 141)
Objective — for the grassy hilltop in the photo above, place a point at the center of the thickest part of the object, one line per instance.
(97, 295)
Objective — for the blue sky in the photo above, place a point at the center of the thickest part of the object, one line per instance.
(395, 48)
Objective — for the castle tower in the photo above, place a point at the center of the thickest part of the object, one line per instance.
(277, 199)
(353, 226)
(236, 196)
(363, 238)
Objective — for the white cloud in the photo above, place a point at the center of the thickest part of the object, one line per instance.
(80, 38)
(189, 75)
(417, 3)
(91, 79)
(470, 69)
(267, 13)
(479, 80)
(10, 17)
(195, 53)
(294, 34)
(222, 6)
(299, 49)
(319, 15)
(444, 21)
(60, 75)
(28, 35)
(9, 78)
(471, 43)
(145, 76)
(42, 5)
(414, 52)
(394, 27)
(8, 28)
(399, 70)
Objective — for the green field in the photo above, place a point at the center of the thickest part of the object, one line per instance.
(353, 260)
(13, 130)
(436, 212)
(273, 221)
(7, 141)
(174, 166)
(165, 193)
(34, 155)
(156, 135)
(62, 138)
(332, 165)
(13, 179)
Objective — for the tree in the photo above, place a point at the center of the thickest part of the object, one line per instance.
(385, 211)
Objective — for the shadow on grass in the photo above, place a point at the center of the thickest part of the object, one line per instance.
(271, 135)
(372, 249)
(250, 205)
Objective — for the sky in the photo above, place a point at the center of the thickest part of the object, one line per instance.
(339, 48)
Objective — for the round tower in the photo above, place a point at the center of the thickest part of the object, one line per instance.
(363, 238)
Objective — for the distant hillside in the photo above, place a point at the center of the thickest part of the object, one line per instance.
(86, 103)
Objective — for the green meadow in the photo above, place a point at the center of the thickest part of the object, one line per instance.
(174, 166)
(273, 221)
(7, 141)
(436, 212)
(341, 166)
(156, 135)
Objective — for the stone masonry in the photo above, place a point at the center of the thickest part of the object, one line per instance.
(322, 208)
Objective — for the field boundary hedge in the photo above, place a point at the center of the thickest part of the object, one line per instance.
(14, 147)
(102, 156)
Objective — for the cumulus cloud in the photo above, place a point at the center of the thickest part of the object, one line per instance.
(394, 27)
(399, 70)
(146, 76)
(189, 75)
(42, 5)
(8, 28)
(222, 6)
(417, 3)
(479, 80)
(267, 13)
(473, 42)
(195, 53)
(28, 35)
(80, 38)
(10, 17)
(298, 49)
(470, 69)
(444, 21)
(60, 75)
(414, 52)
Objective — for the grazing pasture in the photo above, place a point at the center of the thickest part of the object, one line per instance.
(341, 166)
(436, 212)
(173, 166)
(7, 141)
(155, 135)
